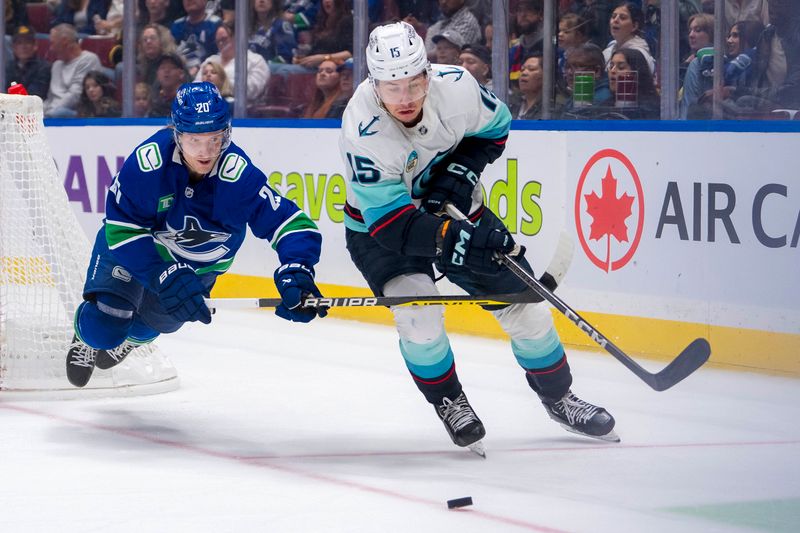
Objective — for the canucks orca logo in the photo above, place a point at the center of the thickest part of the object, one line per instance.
(192, 241)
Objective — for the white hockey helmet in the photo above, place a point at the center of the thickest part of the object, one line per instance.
(395, 51)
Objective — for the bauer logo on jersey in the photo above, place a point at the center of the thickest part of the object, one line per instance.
(193, 242)
(149, 157)
(232, 167)
(412, 161)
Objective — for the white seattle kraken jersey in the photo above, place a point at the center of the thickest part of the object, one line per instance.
(388, 165)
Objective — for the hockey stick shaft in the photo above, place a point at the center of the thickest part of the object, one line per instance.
(555, 272)
(689, 360)
(376, 301)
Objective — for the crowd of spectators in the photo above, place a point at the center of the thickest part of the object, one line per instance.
(299, 54)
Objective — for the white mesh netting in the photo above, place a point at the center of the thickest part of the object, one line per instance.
(44, 254)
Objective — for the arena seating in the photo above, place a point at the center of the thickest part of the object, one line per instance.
(286, 96)
(39, 16)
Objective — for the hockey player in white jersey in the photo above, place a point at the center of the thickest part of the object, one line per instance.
(416, 136)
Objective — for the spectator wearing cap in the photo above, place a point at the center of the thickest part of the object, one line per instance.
(448, 46)
(170, 75)
(69, 69)
(345, 89)
(528, 19)
(477, 59)
(456, 17)
(194, 34)
(25, 67)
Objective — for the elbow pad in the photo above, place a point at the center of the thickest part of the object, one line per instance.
(476, 152)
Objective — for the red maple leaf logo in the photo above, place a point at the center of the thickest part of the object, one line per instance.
(608, 213)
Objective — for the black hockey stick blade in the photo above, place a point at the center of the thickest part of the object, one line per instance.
(690, 359)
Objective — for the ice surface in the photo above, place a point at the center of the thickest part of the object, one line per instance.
(312, 428)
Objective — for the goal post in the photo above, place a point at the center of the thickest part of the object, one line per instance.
(44, 255)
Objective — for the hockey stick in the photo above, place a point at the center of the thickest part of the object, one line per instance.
(555, 272)
(377, 301)
(690, 359)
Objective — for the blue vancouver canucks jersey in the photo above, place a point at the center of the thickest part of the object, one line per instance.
(154, 214)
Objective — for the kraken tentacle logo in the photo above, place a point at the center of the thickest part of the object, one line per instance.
(193, 242)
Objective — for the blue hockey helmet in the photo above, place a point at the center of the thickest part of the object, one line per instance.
(200, 108)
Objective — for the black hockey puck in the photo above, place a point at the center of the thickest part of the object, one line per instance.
(459, 502)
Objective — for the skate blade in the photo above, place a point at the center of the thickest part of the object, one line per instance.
(611, 436)
(478, 448)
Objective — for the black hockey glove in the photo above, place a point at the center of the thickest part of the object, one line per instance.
(295, 282)
(474, 247)
(453, 184)
(181, 293)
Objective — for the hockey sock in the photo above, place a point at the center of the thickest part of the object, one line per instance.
(99, 329)
(551, 382)
(141, 333)
(436, 389)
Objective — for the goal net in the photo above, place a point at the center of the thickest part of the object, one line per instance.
(44, 254)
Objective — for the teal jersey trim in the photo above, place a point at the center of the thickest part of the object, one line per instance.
(355, 225)
(380, 198)
(497, 128)
(428, 360)
(533, 354)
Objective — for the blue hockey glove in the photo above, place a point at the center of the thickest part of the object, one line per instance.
(295, 282)
(454, 184)
(474, 247)
(181, 293)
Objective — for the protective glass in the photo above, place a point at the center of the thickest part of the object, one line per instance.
(403, 91)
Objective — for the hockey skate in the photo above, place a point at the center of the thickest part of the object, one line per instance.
(581, 417)
(462, 424)
(80, 362)
(105, 359)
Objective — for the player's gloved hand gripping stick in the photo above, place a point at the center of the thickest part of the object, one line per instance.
(689, 360)
(295, 283)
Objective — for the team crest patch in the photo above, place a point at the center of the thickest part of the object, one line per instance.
(149, 157)
(412, 161)
(232, 167)
(121, 274)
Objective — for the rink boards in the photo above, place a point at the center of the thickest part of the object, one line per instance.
(677, 234)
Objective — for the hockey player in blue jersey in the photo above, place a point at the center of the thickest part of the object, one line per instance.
(176, 214)
(415, 137)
